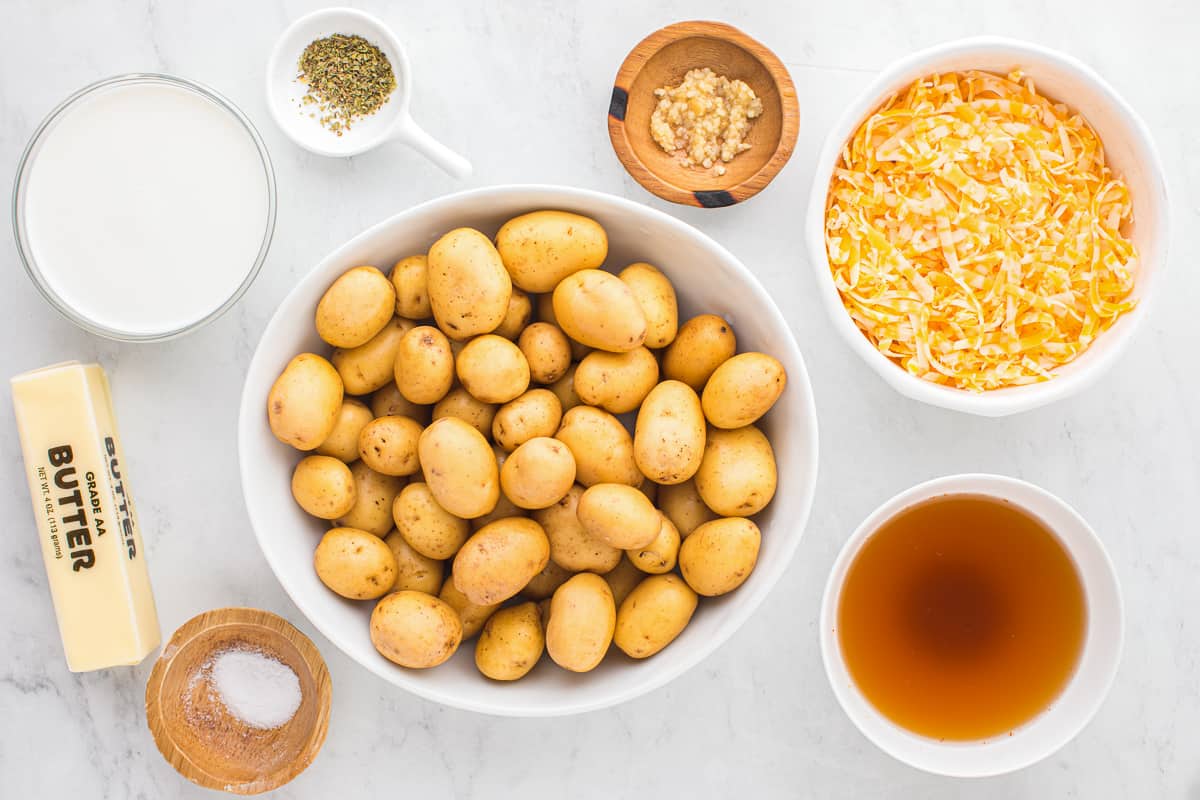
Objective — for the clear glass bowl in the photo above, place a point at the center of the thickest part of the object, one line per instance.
(30, 155)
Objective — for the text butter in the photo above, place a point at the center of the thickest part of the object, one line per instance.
(95, 561)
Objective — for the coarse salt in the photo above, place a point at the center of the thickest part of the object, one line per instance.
(259, 690)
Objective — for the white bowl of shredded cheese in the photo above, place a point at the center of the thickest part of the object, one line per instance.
(988, 241)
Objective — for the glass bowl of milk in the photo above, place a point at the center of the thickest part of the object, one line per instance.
(144, 206)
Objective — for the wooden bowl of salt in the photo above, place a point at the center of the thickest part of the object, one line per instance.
(239, 701)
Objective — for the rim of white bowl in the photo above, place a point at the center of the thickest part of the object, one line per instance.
(249, 413)
(997, 402)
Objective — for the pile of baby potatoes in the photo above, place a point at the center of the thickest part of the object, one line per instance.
(476, 472)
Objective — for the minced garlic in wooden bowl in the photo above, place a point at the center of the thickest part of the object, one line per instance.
(705, 119)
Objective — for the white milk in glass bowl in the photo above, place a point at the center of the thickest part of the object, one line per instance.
(144, 206)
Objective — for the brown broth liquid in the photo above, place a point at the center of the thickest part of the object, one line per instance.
(962, 617)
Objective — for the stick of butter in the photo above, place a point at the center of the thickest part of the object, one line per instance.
(93, 550)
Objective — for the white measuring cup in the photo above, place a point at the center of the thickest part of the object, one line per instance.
(392, 121)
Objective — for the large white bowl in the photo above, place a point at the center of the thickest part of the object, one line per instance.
(708, 279)
(1129, 148)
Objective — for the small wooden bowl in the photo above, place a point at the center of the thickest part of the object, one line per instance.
(662, 59)
(200, 738)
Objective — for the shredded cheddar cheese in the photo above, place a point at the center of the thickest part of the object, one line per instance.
(975, 232)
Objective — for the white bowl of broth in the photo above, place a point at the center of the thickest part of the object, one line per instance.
(972, 625)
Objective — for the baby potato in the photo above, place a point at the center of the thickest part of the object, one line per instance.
(656, 296)
(342, 443)
(668, 439)
(719, 555)
(541, 248)
(355, 564)
(324, 486)
(535, 413)
(369, 366)
(564, 389)
(373, 497)
(653, 614)
(415, 630)
(413, 571)
(618, 515)
(355, 307)
(459, 403)
(424, 365)
(459, 467)
(538, 474)
(660, 555)
(682, 505)
(570, 546)
(388, 401)
(511, 643)
(597, 309)
(546, 582)
(743, 389)
(492, 369)
(469, 288)
(518, 315)
(582, 618)
(603, 449)
(305, 401)
(430, 529)
(622, 579)
(410, 279)
(702, 344)
(472, 616)
(499, 559)
(547, 350)
(617, 382)
(388, 445)
(737, 474)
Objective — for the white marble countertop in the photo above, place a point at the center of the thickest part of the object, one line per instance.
(522, 88)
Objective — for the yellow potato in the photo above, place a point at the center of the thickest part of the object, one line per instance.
(737, 474)
(388, 402)
(668, 440)
(388, 445)
(545, 313)
(342, 443)
(410, 279)
(543, 247)
(499, 559)
(618, 515)
(472, 616)
(535, 413)
(547, 351)
(415, 630)
(660, 555)
(414, 571)
(430, 529)
(743, 389)
(492, 369)
(459, 467)
(374, 494)
(305, 402)
(355, 307)
(516, 317)
(570, 546)
(617, 382)
(622, 579)
(702, 344)
(595, 308)
(459, 403)
(469, 288)
(511, 643)
(582, 618)
(355, 564)
(369, 366)
(719, 555)
(654, 614)
(424, 365)
(656, 296)
(546, 582)
(603, 449)
(324, 486)
(682, 505)
(538, 474)
(564, 389)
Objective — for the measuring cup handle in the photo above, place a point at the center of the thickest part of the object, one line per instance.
(415, 137)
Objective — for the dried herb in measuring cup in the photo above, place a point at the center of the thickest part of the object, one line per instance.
(347, 78)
